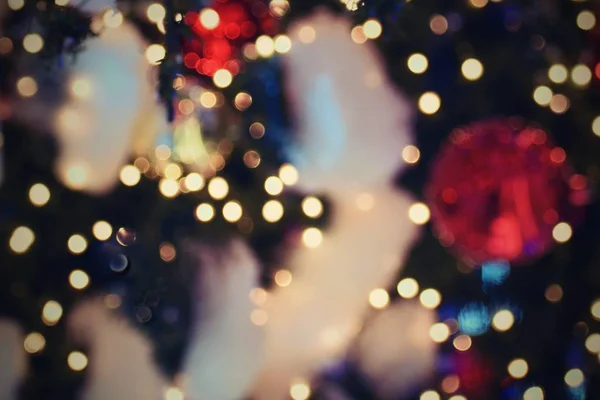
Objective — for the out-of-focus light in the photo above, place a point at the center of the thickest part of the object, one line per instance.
(417, 63)
(163, 152)
(272, 211)
(458, 397)
(312, 207)
(112, 18)
(430, 395)
(542, 95)
(554, 293)
(581, 75)
(472, 69)
(78, 279)
(39, 194)
(419, 213)
(218, 188)
(559, 104)
(365, 201)
(430, 298)
(518, 368)
(300, 390)
(574, 377)
(81, 88)
(205, 212)
(596, 126)
(586, 20)
(534, 393)
(592, 343)
(259, 317)
(372, 29)
(474, 319)
(222, 78)
(156, 12)
(411, 154)
(429, 103)
(258, 296)
(283, 278)
(279, 8)
(495, 272)
(439, 332)
(174, 393)
(194, 182)
(33, 43)
(27, 86)
(408, 288)
(16, 5)
(462, 342)
(252, 159)
(112, 301)
(358, 34)
(307, 34)
(503, 320)
(209, 18)
(562, 232)
(77, 361)
(312, 237)
(265, 46)
(232, 211)
(173, 171)
(51, 312)
(77, 244)
(102, 230)
(450, 384)
(273, 185)
(21, 239)
(595, 310)
(283, 44)
(558, 73)
(130, 175)
(257, 130)
(155, 53)
(438, 24)
(208, 99)
(379, 298)
(288, 174)
(478, 3)
(168, 188)
(242, 101)
(34, 343)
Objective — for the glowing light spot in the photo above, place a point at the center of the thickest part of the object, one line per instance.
(438, 24)
(586, 20)
(272, 211)
(208, 99)
(478, 3)
(518, 368)
(450, 384)
(533, 393)
(458, 397)
(51, 313)
(218, 188)
(273, 185)
(173, 171)
(259, 317)
(365, 202)
(562, 232)
(77, 244)
(27, 86)
(232, 211)
(21, 239)
(257, 130)
(194, 182)
(81, 88)
(279, 8)
(283, 44)
(430, 298)
(503, 320)
(542, 95)
(574, 377)
(265, 46)
(252, 159)
(242, 101)
(288, 174)
(205, 212)
(33, 43)
(592, 343)
(307, 34)
(112, 18)
(222, 78)
(379, 298)
(258, 296)
(77, 361)
(472, 69)
(417, 63)
(130, 175)
(558, 73)
(283, 278)
(429, 103)
(102, 230)
(462, 342)
(554, 293)
(474, 319)
(595, 310)
(358, 35)
(312, 237)
(559, 104)
(78, 279)
(300, 390)
(174, 393)
(419, 213)
(372, 29)
(411, 154)
(439, 332)
(16, 5)
(408, 288)
(155, 53)
(209, 18)
(39, 194)
(581, 75)
(596, 126)
(312, 207)
(156, 12)
(430, 395)
(34, 343)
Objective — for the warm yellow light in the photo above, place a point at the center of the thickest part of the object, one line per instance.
(417, 63)
(194, 182)
(232, 211)
(265, 46)
(259, 317)
(208, 99)
(581, 75)
(168, 188)
(78, 279)
(458, 397)
(222, 78)
(283, 278)
(307, 34)
(419, 213)
(533, 393)
(518, 368)
(558, 73)
(462, 342)
(272, 211)
(430, 298)
(173, 171)
(156, 12)
(209, 18)
(218, 188)
(429, 103)
(205, 212)
(503, 320)
(34, 343)
(279, 8)
(408, 288)
(312, 237)
(478, 3)
(562, 232)
(130, 175)
(372, 29)
(559, 104)
(365, 201)
(283, 44)
(77, 361)
(574, 377)
(288, 174)
(21, 239)
(16, 5)
(411, 154)
(33, 43)
(358, 34)
(27, 86)
(39, 194)
(81, 88)
(258, 296)
(51, 312)
(430, 395)
(102, 230)
(77, 244)
(592, 343)
(300, 390)
(155, 53)
(112, 18)
(312, 207)
(596, 126)
(472, 69)
(439, 332)
(595, 310)
(379, 298)
(542, 95)
(586, 20)
(174, 393)
(273, 185)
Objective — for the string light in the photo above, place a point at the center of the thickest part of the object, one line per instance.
(586, 20)
(21, 239)
(218, 188)
(542, 95)
(558, 73)
(472, 69)
(581, 75)
(574, 377)
(592, 343)
(33, 43)
(372, 29)
(39, 194)
(288, 174)
(312, 207)
(419, 213)
(102, 230)
(205, 212)
(265, 46)
(194, 182)
(222, 78)
(430, 298)
(503, 320)
(429, 103)
(408, 288)
(34, 343)
(379, 298)
(272, 211)
(51, 312)
(439, 332)
(562, 232)
(417, 63)
(518, 368)
(312, 237)
(130, 175)
(155, 53)
(300, 390)
(168, 188)
(534, 393)
(232, 211)
(156, 12)
(273, 186)
(307, 34)
(77, 244)
(79, 280)
(77, 361)
(283, 278)
(27, 86)
(209, 18)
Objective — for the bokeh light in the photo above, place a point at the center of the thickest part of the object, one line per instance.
(218, 188)
(379, 298)
(312, 207)
(156, 12)
(462, 342)
(542, 95)
(562, 232)
(16, 5)
(77, 361)
(408, 288)
(372, 29)
(472, 69)
(574, 377)
(288, 174)
(130, 175)
(417, 63)
(411, 154)
(312, 237)
(581, 75)
(272, 211)
(265, 46)
(533, 393)
(78, 279)
(307, 34)
(430, 395)
(592, 343)
(558, 73)
(596, 126)
(77, 244)
(205, 212)
(518, 368)
(300, 390)
(27, 86)
(419, 213)
(102, 230)
(273, 186)
(438, 24)
(222, 78)
(283, 278)
(34, 343)
(503, 320)
(209, 18)
(429, 103)
(21, 239)
(232, 211)
(430, 298)
(259, 317)
(439, 332)
(586, 20)
(33, 43)
(39, 194)
(51, 312)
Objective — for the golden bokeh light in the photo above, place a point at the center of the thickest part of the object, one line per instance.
(34, 343)
(411, 154)
(232, 211)
(51, 312)
(379, 298)
(472, 69)
(581, 75)
(429, 103)
(478, 3)
(259, 317)
(77, 361)
(16, 5)
(312, 237)
(27, 86)
(312, 207)
(242, 101)
(279, 8)
(257, 130)
(419, 213)
(21, 239)
(430, 298)
(130, 175)
(174, 393)
(592, 343)
(458, 397)
(596, 126)
(542, 95)
(218, 188)
(205, 212)
(533, 393)
(439, 332)
(518, 368)
(102, 230)
(33, 43)
(283, 278)
(77, 244)
(450, 384)
(586, 20)
(173, 171)
(283, 44)
(155, 53)
(430, 395)
(595, 310)
(288, 174)
(209, 18)
(156, 12)
(78, 279)
(75, 175)
(258, 296)
(194, 182)
(574, 377)
(273, 186)
(112, 18)
(252, 159)
(222, 78)
(503, 320)
(265, 46)
(462, 342)
(562, 232)
(558, 73)
(208, 99)
(300, 390)
(39, 194)
(559, 104)
(272, 211)
(408, 288)
(417, 63)
(372, 29)
(357, 34)
(307, 34)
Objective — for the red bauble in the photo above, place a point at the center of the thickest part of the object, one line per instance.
(498, 189)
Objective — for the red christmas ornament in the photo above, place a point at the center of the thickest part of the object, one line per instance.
(498, 189)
